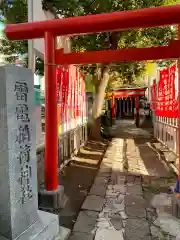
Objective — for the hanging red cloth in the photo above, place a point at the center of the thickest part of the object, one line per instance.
(58, 78)
(65, 92)
(153, 90)
(77, 93)
(166, 103)
(161, 89)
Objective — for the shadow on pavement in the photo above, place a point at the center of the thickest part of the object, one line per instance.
(77, 179)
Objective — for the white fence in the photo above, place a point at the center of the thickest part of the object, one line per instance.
(166, 131)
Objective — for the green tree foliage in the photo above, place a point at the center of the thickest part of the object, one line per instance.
(124, 73)
(172, 2)
(116, 40)
(16, 12)
(13, 13)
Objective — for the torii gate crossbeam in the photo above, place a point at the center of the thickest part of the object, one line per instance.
(124, 20)
(124, 55)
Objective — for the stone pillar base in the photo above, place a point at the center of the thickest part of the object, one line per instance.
(51, 200)
(46, 228)
(175, 206)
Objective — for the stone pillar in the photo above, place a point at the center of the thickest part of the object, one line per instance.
(19, 215)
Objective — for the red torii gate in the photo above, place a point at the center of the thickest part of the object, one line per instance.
(143, 18)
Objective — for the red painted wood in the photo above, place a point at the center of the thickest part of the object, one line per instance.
(129, 92)
(179, 110)
(51, 123)
(141, 18)
(127, 55)
(124, 20)
(129, 95)
(137, 90)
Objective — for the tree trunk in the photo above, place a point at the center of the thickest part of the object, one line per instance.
(100, 88)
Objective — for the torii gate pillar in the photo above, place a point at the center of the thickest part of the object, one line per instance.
(51, 126)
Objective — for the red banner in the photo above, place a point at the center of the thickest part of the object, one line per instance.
(65, 94)
(153, 90)
(163, 99)
(62, 90)
(83, 95)
(77, 94)
(163, 81)
(70, 94)
(73, 75)
(70, 89)
(58, 78)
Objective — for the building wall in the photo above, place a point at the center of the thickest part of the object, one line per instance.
(39, 15)
(38, 44)
(152, 74)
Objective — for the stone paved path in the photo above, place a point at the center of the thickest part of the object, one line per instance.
(77, 179)
(116, 207)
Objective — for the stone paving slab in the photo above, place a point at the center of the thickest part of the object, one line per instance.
(81, 236)
(135, 189)
(137, 229)
(98, 190)
(116, 197)
(135, 200)
(132, 179)
(104, 174)
(117, 188)
(105, 234)
(93, 203)
(110, 220)
(117, 167)
(101, 180)
(86, 222)
(117, 178)
(133, 212)
(120, 179)
(105, 169)
(113, 205)
(123, 215)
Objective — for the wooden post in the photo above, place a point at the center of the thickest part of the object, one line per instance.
(51, 126)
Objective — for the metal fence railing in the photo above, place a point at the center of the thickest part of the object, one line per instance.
(166, 131)
(71, 141)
